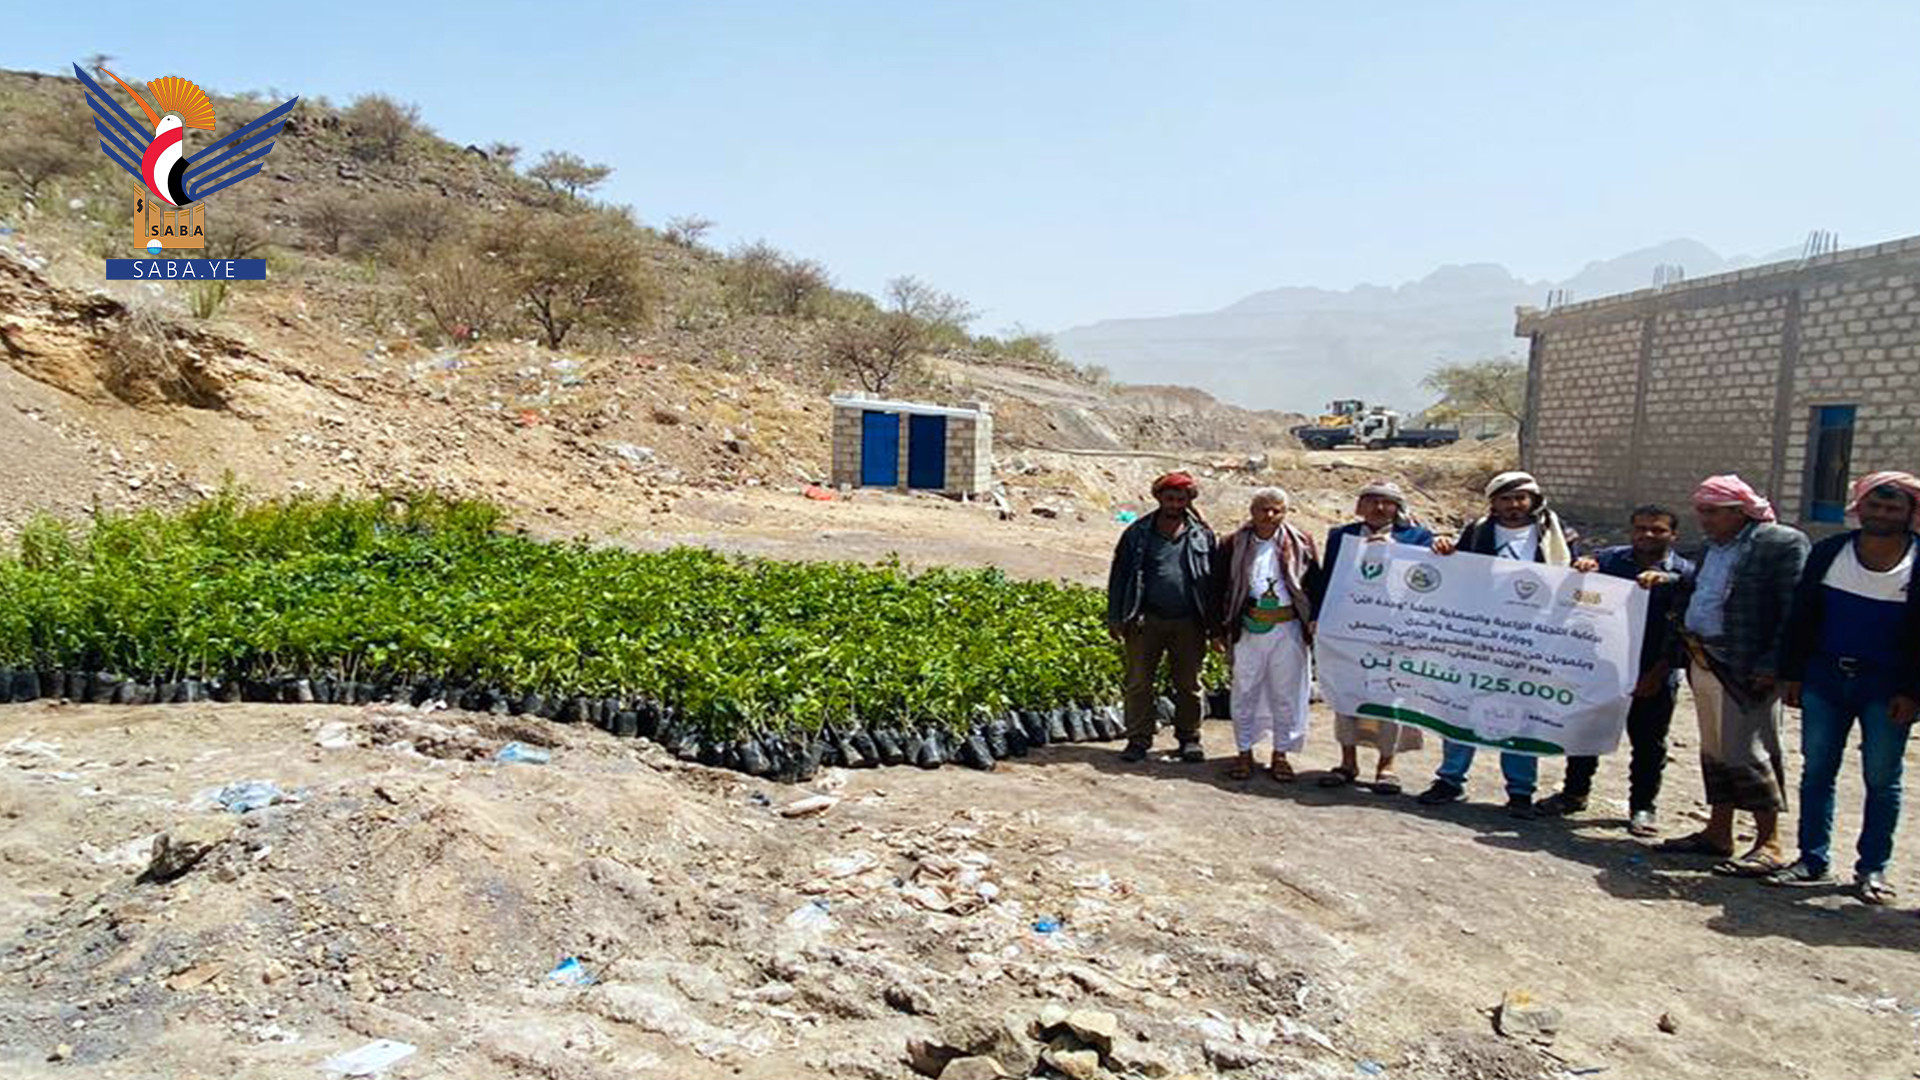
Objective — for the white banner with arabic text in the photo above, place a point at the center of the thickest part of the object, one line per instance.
(1518, 656)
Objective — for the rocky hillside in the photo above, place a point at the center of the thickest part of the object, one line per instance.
(333, 374)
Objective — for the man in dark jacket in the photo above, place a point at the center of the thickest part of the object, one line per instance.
(1853, 654)
(1382, 509)
(1734, 624)
(1518, 526)
(1160, 599)
(1650, 560)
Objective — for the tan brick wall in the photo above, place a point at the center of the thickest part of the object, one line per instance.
(1585, 418)
(1844, 329)
(1710, 396)
(970, 454)
(1860, 346)
(846, 446)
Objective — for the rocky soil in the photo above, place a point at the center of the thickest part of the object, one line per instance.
(1064, 915)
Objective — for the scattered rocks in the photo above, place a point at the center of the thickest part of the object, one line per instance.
(1520, 1016)
(1047, 1020)
(972, 1068)
(1095, 1028)
(186, 845)
(1231, 1055)
(1139, 1059)
(908, 998)
(929, 1056)
(976, 1037)
(1668, 1024)
(197, 976)
(1078, 1064)
(773, 993)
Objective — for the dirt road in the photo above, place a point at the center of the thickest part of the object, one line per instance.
(419, 892)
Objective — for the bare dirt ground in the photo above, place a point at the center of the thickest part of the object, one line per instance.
(415, 890)
(1080, 494)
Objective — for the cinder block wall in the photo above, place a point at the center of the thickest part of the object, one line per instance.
(1634, 398)
(969, 449)
(846, 446)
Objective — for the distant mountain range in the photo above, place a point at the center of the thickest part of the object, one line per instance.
(1297, 348)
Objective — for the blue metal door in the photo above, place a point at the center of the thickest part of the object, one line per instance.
(879, 449)
(1832, 462)
(926, 451)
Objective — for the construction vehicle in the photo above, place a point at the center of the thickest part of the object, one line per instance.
(1352, 423)
(1340, 413)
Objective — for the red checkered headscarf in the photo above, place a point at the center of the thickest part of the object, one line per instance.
(1730, 490)
(1181, 481)
(1893, 478)
(1176, 481)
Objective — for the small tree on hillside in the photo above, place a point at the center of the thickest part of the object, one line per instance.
(882, 347)
(763, 280)
(34, 162)
(800, 283)
(568, 172)
(1497, 384)
(379, 127)
(1024, 346)
(573, 271)
(404, 225)
(465, 292)
(687, 230)
(247, 227)
(503, 153)
(45, 140)
(330, 218)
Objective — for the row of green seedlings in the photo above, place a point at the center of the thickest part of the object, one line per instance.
(1012, 734)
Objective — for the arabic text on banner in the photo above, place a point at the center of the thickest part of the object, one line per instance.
(1519, 656)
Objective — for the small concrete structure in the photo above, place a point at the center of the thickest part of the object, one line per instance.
(908, 445)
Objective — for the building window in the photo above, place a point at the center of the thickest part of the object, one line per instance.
(1832, 458)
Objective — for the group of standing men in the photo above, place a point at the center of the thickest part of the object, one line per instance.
(1765, 620)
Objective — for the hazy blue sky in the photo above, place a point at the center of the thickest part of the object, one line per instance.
(1067, 161)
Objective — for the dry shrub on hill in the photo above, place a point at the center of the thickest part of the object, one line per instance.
(570, 272)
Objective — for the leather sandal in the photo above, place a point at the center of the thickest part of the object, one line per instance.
(1339, 776)
(1750, 865)
(1692, 844)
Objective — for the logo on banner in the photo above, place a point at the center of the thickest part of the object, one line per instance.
(1527, 588)
(170, 213)
(1422, 578)
(1371, 569)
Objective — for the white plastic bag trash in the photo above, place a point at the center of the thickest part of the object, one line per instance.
(370, 1059)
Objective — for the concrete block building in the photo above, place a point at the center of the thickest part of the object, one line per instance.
(912, 446)
(1797, 375)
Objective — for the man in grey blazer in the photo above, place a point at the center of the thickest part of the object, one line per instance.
(1734, 625)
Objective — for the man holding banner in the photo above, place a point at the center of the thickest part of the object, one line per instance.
(1518, 526)
(1650, 560)
(1522, 654)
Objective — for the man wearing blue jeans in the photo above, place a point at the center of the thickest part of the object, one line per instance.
(1519, 526)
(1853, 654)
